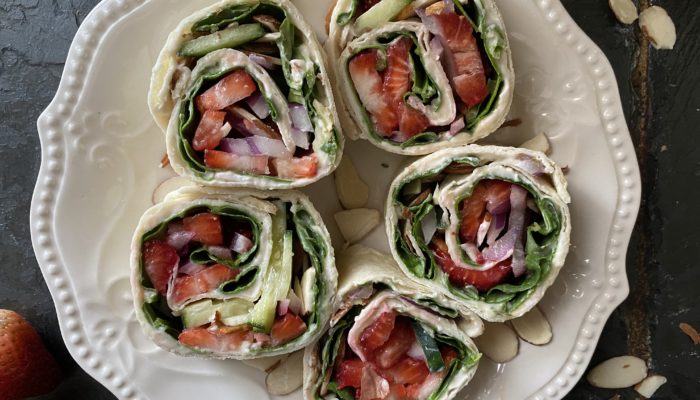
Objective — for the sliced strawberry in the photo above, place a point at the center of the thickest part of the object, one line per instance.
(469, 78)
(230, 89)
(482, 280)
(349, 373)
(378, 332)
(206, 228)
(203, 281)
(215, 340)
(407, 371)
(159, 260)
(286, 328)
(248, 164)
(400, 340)
(210, 130)
(472, 211)
(368, 84)
(498, 193)
(412, 121)
(296, 168)
(449, 354)
(397, 77)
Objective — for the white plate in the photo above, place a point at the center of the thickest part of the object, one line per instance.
(100, 156)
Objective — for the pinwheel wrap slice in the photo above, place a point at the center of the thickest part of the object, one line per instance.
(487, 225)
(371, 286)
(222, 274)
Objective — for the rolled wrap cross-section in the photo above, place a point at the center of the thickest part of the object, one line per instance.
(390, 337)
(488, 225)
(240, 275)
(418, 76)
(242, 92)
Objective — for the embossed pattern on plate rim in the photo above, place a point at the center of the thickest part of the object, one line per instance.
(80, 56)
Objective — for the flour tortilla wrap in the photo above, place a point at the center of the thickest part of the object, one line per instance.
(459, 90)
(371, 285)
(241, 90)
(486, 225)
(218, 273)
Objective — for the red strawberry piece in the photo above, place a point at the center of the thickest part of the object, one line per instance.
(214, 340)
(400, 340)
(412, 121)
(407, 371)
(159, 260)
(378, 332)
(482, 280)
(469, 78)
(349, 373)
(368, 84)
(397, 77)
(472, 211)
(230, 89)
(286, 328)
(203, 281)
(27, 369)
(296, 168)
(210, 131)
(246, 164)
(206, 228)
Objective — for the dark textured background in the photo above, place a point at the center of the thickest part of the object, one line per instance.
(661, 98)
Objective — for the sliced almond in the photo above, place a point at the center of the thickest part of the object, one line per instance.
(435, 8)
(266, 364)
(538, 143)
(167, 186)
(625, 11)
(690, 331)
(498, 342)
(618, 372)
(650, 385)
(533, 327)
(288, 376)
(353, 192)
(658, 26)
(357, 223)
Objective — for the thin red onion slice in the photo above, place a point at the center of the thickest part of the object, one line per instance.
(504, 247)
(257, 103)
(267, 62)
(300, 117)
(255, 145)
(220, 252)
(240, 243)
(190, 268)
(282, 307)
(177, 236)
(301, 139)
(518, 260)
(457, 125)
(529, 164)
(497, 224)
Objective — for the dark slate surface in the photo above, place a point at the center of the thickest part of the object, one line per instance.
(661, 98)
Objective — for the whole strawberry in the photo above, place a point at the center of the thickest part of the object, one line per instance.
(26, 367)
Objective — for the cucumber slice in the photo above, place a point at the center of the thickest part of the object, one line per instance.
(279, 274)
(380, 13)
(201, 312)
(430, 348)
(227, 38)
